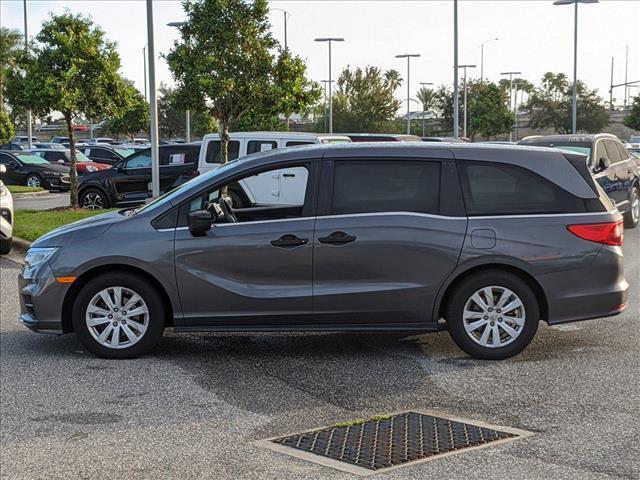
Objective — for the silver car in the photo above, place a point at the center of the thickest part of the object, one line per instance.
(483, 240)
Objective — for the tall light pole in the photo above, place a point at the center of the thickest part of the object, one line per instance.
(424, 84)
(153, 105)
(626, 78)
(464, 86)
(144, 65)
(324, 110)
(286, 16)
(456, 100)
(26, 49)
(418, 104)
(330, 40)
(511, 74)
(574, 111)
(187, 114)
(482, 57)
(408, 56)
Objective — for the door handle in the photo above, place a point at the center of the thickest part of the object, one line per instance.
(337, 238)
(289, 175)
(288, 240)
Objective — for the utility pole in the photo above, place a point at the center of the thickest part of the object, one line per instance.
(408, 56)
(26, 49)
(144, 64)
(511, 74)
(464, 86)
(153, 105)
(611, 87)
(626, 78)
(456, 106)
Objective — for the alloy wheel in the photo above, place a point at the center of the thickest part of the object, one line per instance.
(494, 316)
(33, 181)
(92, 201)
(635, 206)
(117, 317)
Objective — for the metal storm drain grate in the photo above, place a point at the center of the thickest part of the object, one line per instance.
(389, 441)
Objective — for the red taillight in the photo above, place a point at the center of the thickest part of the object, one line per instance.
(609, 233)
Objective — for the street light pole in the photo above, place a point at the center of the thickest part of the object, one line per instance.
(330, 40)
(464, 86)
(153, 105)
(456, 102)
(511, 74)
(574, 109)
(408, 56)
(26, 49)
(144, 64)
(424, 84)
(482, 57)
(286, 16)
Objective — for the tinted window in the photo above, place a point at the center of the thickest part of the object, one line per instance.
(178, 156)
(600, 152)
(213, 151)
(7, 160)
(141, 160)
(99, 153)
(260, 146)
(298, 143)
(499, 189)
(624, 153)
(386, 186)
(612, 151)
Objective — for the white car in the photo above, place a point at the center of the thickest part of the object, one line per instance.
(284, 187)
(6, 216)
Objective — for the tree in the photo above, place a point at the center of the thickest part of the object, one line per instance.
(488, 110)
(551, 106)
(6, 127)
(10, 43)
(135, 117)
(632, 120)
(226, 59)
(172, 115)
(443, 106)
(365, 99)
(427, 97)
(72, 69)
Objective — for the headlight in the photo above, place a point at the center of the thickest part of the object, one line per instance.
(3, 190)
(91, 168)
(38, 255)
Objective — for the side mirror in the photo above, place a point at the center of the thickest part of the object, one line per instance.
(603, 164)
(199, 222)
(3, 169)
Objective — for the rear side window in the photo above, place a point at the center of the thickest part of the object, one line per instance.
(500, 189)
(260, 146)
(624, 153)
(386, 186)
(612, 151)
(297, 143)
(213, 151)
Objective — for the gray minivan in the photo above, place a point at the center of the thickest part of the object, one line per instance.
(483, 240)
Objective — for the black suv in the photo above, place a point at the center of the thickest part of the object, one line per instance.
(612, 165)
(127, 183)
(107, 153)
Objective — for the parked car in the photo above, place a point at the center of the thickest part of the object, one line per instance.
(49, 146)
(387, 237)
(263, 190)
(127, 183)
(11, 147)
(80, 127)
(445, 139)
(611, 164)
(6, 216)
(108, 154)
(25, 168)
(381, 137)
(23, 140)
(63, 157)
(98, 140)
(60, 140)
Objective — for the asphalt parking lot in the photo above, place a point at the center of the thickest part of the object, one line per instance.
(195, 407)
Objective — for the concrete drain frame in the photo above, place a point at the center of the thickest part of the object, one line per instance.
(333, 446)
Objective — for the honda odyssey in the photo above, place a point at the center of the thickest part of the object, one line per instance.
(483, 240)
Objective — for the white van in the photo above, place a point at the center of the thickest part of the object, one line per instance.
(283, 187)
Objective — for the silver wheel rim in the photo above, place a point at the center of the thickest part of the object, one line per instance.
(635, 207)
(92, 201)
(494, 317)
(33, 181)
(117, 317)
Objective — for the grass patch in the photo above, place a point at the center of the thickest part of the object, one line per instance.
(360, 421)
(23, 189)
(31, 224)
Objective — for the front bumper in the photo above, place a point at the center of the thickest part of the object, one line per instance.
(58, 183)
(41, 300)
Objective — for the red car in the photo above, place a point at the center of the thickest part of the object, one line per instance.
(80, 128)
(63, 157)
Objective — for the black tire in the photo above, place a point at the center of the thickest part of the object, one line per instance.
(34, 178)
(94, 199)
(464, 291)
(5, 245)
(149, 295)
(631, 217)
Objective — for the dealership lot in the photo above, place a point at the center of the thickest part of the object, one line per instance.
(195, 407)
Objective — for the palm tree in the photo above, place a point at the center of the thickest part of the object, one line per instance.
(10, 43)
(427, 97)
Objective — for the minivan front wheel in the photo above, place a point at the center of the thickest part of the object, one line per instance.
(492, 315)
(118, 315)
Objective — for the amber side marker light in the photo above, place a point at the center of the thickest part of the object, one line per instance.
(66, 279)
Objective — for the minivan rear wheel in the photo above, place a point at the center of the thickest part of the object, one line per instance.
(492, 315)
(632, 216)
(118, 315)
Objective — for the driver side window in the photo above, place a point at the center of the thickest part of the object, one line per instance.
(143, 160)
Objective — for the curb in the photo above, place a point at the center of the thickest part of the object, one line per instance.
(18, 196)
(21, 245)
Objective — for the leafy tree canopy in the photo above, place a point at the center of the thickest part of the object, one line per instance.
(6, 127)
(10, 44)
(632, 120)
(135, 118)
(172, 104)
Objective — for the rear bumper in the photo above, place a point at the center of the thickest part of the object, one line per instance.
(595, 292)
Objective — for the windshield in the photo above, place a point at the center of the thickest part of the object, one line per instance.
(81, 157)
(125, 152)
(30, 158)
(194, 183)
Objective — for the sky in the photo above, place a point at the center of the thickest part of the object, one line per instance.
(534, 36)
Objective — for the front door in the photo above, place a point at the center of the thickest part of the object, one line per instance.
(254, 272)
(383, 251)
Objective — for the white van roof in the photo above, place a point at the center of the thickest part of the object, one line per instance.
(283, 135)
